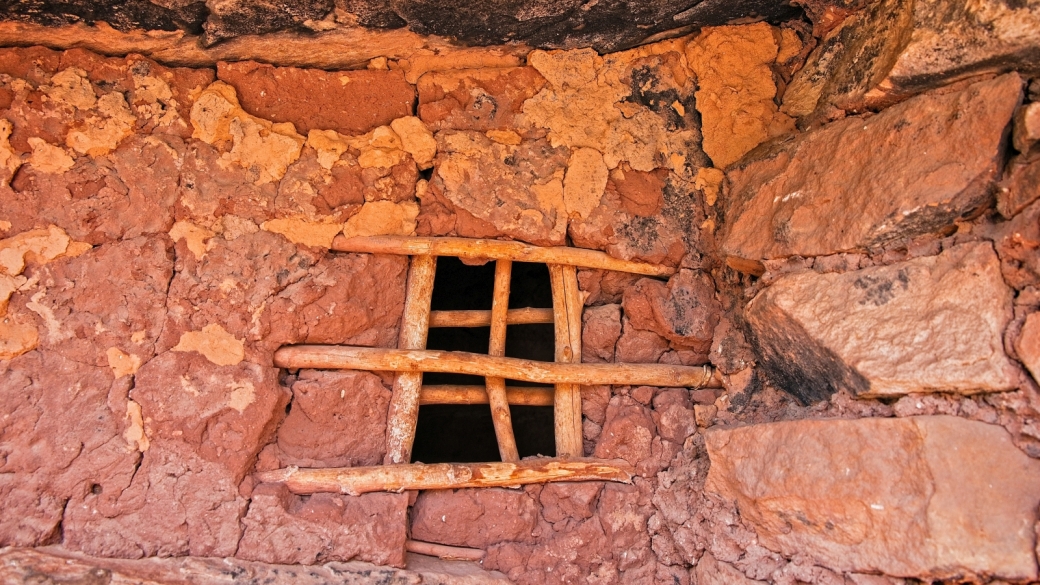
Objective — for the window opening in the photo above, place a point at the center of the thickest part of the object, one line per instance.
(463, 433)
(412, 359)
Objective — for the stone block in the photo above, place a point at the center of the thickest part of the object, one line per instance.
(912, 169)
(476, 518)
(929, 497)
(931, 324)
(477, 99)
(287, 529)
(349, 102)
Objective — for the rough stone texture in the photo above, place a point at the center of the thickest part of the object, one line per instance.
(953, 41)
(1017, 242)
(495, 189)
(338, 419)
(861, 331)
(736, 121)
(287, 529)
(205, 424)
(601, 328)
(349, 102)
(1018, 189)
(232, 18)
(1026, 131)
(476, 99)
(57, 439)
(605, 26)
(851, 59)
(684, 311)
(62, 566)
(1028, 345)
(630, 433)
(931, 497)
(934, 157)
(475, 518)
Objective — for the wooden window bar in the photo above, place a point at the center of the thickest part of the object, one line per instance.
(411, 359)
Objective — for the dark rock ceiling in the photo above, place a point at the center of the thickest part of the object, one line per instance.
(606, 25)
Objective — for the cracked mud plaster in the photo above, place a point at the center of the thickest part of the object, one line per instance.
(301, 231)
(122, 363)
(262, 147)
(9, 159)
(194, 237)
(47, 158)
(736, 89)
(134, 434)
(594, 102)
(108, 119)
(383, 147)
(383, 218)
(215, 343)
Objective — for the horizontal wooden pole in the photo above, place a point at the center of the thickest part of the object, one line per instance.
(495, 250)
(515, 395)
(346, 357)
(527, 316)
(448, 553)
(443, 476)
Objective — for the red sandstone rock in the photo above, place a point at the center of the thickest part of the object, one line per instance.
(62, 434)
(1027, 127)
(283, 528)
(604, 286)
(636, 346)
(629, 433)
(933, 159)
(83, 316)
(1028, 345)
(932, 497)
(685, 311)
(498, 190)
(1017, 242)
(349, 102)
(476, 99)
(601, 328)
(476, 518)
(338, 419)
(674, 415)
(1019, 187)
(863, 331)
(711, 572)
(651, 217)
(730, 350)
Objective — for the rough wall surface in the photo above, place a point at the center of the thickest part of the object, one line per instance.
(164, 230)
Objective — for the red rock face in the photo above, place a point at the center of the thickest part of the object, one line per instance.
(349, 102)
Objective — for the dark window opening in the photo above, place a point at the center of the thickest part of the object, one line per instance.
(465, 433)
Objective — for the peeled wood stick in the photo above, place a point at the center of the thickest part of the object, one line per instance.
(496, 387)
(515, 395)
(403, 413)
(459, 362)
(442, 476)
(495, 250)
(525, 316)
(448, 553)
(567, 399)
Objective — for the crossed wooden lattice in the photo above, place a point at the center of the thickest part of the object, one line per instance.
(411, 359)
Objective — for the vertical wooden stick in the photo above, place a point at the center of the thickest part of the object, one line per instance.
(404, 404)
(496, 387)
(567, 401)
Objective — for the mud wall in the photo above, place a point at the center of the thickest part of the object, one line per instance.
(855, 231)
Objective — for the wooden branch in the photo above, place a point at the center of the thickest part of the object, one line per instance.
(458, 362)
(525, 316)
(403, 413)
(515, 395)
(442, 476)
(448, 553)
(495, 250)
(567, 398)
(496, 386)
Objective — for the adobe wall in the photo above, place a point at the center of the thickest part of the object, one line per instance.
(855, 229)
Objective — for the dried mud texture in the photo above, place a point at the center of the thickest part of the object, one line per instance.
(338, 419)
(349, 102)
(484, 100)
(735, 90)
(684, 311)
(287, 529)
(483, 188)
(933, 157)
(1016, 242)
(1018, 189)
(635, 106)
(859, 331)
(944, 497)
